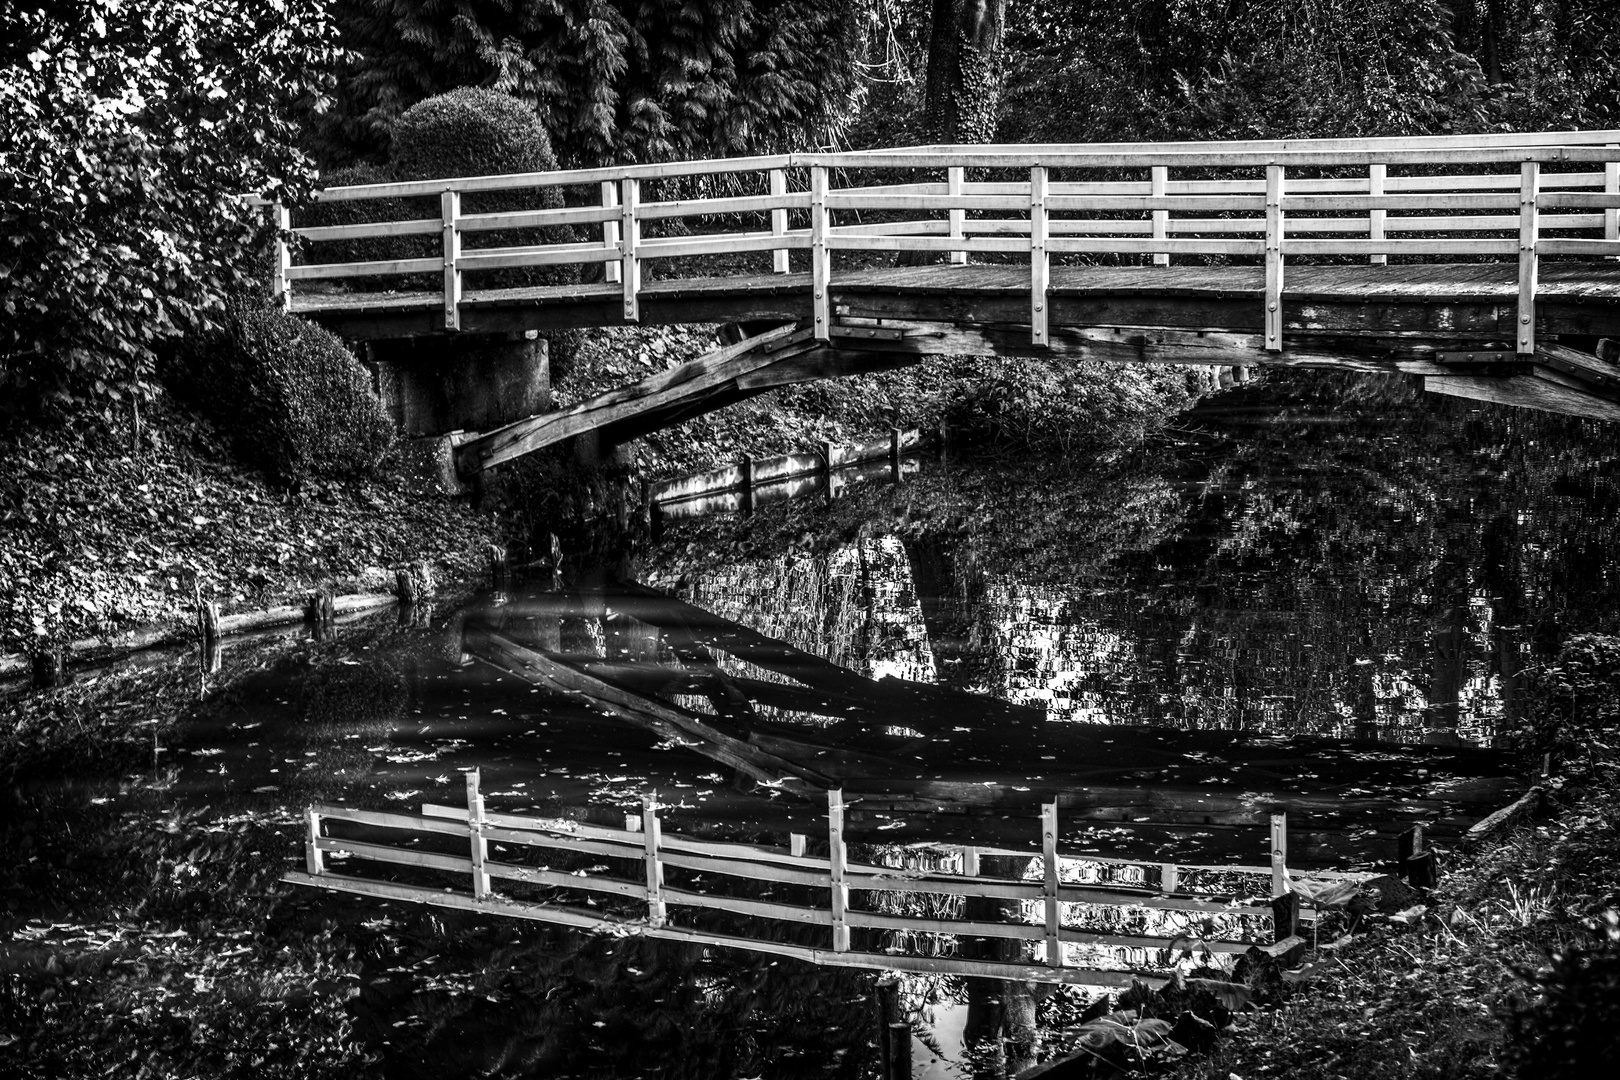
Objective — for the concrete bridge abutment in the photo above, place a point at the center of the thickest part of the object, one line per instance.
(439, 384)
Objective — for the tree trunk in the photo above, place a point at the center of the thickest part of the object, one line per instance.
(964, 46)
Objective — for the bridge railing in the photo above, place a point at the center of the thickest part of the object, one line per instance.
(788, 885)
(1515, 198)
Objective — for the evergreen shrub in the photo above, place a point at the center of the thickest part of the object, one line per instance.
(373, 248)
(1568, 1032)
(472, 131)
(289, 395)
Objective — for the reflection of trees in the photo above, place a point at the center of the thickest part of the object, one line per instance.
(567, 1004)
(1334, 554)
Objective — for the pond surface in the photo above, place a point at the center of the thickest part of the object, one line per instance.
(1332, 564)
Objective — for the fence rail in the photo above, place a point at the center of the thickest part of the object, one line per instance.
(1181, 206)
(832, 876)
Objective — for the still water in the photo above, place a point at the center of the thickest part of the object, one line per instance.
(1302, 559)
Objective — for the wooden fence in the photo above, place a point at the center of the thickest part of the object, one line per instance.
(646, 898)
(1531, 195)
(757, 480)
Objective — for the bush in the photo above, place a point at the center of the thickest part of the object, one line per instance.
(476, 132)
(289, 395)
(1569, 1030)
(370, 249)
(1577, 699)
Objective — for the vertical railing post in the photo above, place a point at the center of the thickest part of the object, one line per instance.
(1611, 186)
(314, 858)
(779, 220)
(970, 862)
(1279, 853)
(797, 842)
(820, 256)
(1529, 227)
(629, 241)
(1274, 257)
(1376, 176)
(611, 271)
(450, 211)
(280, 282)
(1158, 186)
(475, 830)
(838, 863)
(1049, 885)
(652, 834)
(955, 177)
(1169, 877)
(1040, 264)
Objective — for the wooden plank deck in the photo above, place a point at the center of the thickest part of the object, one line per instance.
(1465, 300)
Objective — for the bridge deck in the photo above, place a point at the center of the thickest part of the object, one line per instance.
(1458, 300)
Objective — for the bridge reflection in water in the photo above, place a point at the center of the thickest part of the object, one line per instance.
(1116, 850)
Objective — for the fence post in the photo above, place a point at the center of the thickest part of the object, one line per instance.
(1040, 264)
(652, 834)
(280, 283)
(1376, 175)
(450, 211)
(611, 271)
(314, 858)
(475, 829)
(838, 863)
(1169, 877)
(1274, 257)
(1161, 218)
(1279, 854)
(1611, 186)
(955, 176)
(629, 241)
(779, 220)
(1529, 227)
(820, 256)
(1049, 887)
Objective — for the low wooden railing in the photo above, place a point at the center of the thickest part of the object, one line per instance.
(833, 875)
(1270, 201)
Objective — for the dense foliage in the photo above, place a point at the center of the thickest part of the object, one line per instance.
(127, 129)
(615, 80)
(289, 395)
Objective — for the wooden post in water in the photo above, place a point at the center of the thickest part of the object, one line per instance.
(475, 831)
(651, 837)
(1274, 258)
(1049, 887)
(827, 470)
(1414, 861)
(895, 437)
(838, 863)
(894, 1034)
(746, 468)
(1279, 854)
(314, 858)
(1529, 228)
(497, 567)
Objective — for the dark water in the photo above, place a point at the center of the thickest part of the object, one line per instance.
(1315, 558)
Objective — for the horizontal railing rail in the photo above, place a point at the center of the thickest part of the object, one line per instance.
(1528, 196)
(832, 877)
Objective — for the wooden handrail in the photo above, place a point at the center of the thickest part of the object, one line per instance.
(809, 199)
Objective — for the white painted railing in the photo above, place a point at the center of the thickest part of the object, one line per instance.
(1505, 197)
(832, 875)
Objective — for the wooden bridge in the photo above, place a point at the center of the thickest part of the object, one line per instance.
(1483, 264)
(641, 880)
